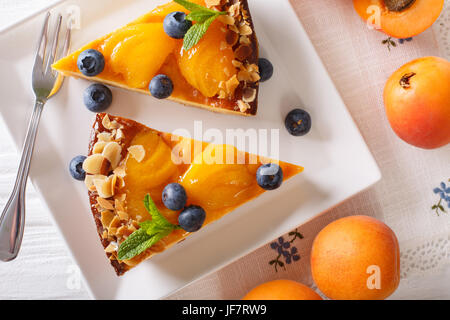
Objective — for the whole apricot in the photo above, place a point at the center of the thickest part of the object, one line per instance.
(399, 18)
(417, 102)
(282, 290)
(356, 258)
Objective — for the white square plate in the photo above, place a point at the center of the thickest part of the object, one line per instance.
(337, 162)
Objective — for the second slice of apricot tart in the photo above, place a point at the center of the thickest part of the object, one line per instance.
(129, 162)
(219, 73)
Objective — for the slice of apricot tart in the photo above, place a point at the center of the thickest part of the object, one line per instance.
(220, 73)
(128, 161)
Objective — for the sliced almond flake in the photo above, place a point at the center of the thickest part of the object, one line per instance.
(113, 152)
(244, 40)
(96, 164)
(121, 197)
(255, 76)
(234, 9)
(120, 170)
(119, 134)
(98, 147)
(112, 232)
(212, 3)
(243, 52)
(226, 19)
(119, 205)
(104, 136)
(244, 75)
(252, 68)
(111, 248)
(89, 180)
(123, 215)
(106, 122)
(115, 222)
(245, 30)
(231, 85)
(237, 64)
(105, 204)
(234, 28)
(105, 234)
(249, 95)
(137, 152)
(106, 218)
(103, 187)
(243, 106)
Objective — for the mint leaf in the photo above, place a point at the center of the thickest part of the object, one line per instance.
(135, 244)
(199, 16)
(193, 6)
(157, 217)
(203, 18)
(196, 32)
(150, 233)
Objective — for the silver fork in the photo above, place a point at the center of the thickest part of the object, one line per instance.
(46, 82)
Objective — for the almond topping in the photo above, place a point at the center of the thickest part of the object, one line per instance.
(244, 40)
(98, 147)
(104, 136)
(234, 28)
(243, 52)
(243, 106)
(113, 152)
(96, 164)
(245, 30)
(122, 215)
(234, 9)
(104, 187)
(232, 84)
(237, 64)
(227, 20)
(105, 204)
(115, 223)
(137, 152)
(119, 134)
(212, 3)
(106, 218)
(249, 95)
(89, 180)
(111, 248)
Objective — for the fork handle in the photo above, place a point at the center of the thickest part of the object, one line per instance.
(12, 220)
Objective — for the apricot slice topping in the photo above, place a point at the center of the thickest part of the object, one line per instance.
(138, 52)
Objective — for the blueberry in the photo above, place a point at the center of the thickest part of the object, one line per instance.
(192, 218)
(97, 97)
(176, 25)
(76, 168)
(161, 87)
(174, 196)
(298, 122)
(269, 176)
(265, 69)
(91, 62)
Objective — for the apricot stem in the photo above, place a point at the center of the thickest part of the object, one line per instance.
(398, 5)
(405, 80)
